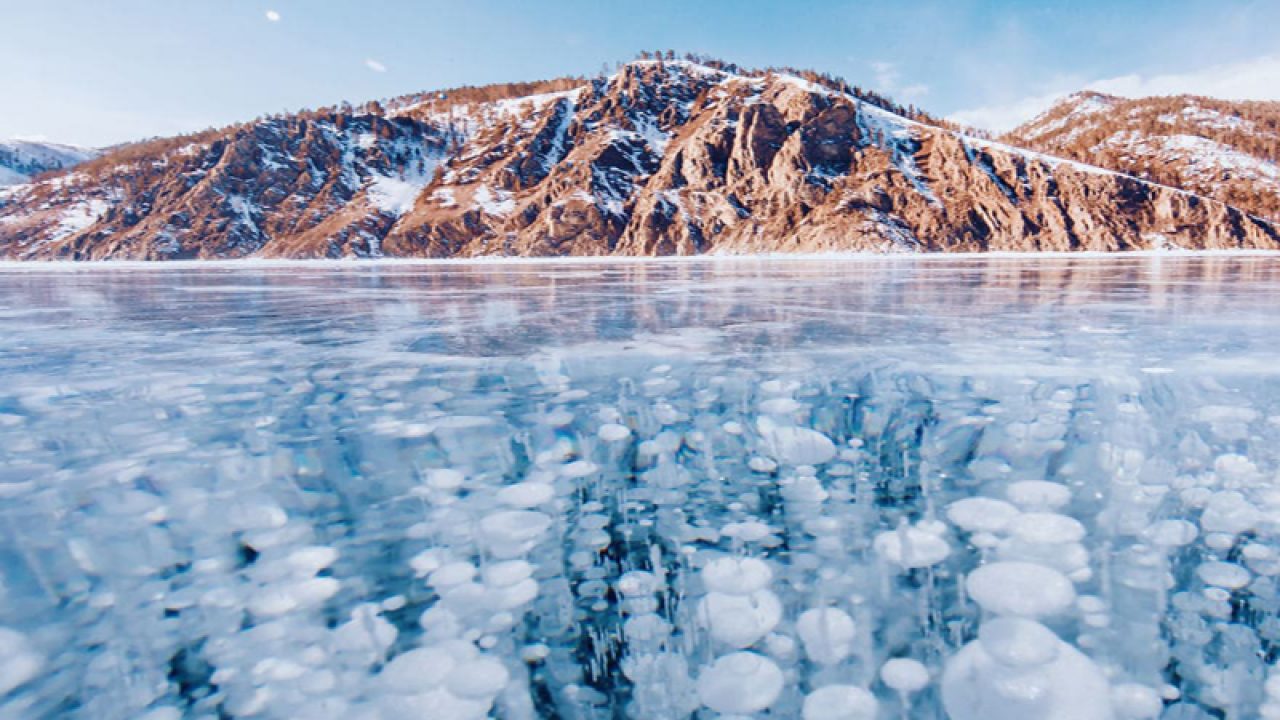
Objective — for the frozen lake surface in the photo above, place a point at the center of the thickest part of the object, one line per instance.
(983, 488)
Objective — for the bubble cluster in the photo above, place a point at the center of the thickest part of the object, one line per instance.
(687, 500)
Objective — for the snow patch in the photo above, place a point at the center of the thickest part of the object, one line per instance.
(79, 217)
(395, 195)
(494, 202)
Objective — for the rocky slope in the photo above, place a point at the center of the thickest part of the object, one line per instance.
(660, 158)
(1226, 150)
(21, 160)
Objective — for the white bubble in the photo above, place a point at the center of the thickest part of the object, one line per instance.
(827, 634)
(905, 675)
(1020, 588)
(840, 702)
(740, 683)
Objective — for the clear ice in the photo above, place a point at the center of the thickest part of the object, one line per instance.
(977, 488)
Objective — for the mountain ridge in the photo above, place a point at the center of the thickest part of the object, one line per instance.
(1223, 149)
(22, 160)
(663, 157)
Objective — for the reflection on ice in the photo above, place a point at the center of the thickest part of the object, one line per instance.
(984, 488)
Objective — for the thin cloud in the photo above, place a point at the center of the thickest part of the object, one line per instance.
(887, 78)
(1255, 79)
(273, 16)
(886, 75)
(375, 66)
(911, 92)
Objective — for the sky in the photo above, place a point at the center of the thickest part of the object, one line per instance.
(91, 72)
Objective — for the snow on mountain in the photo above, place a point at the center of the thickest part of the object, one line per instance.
(662, 157)
(20, 160)
(1226, 150)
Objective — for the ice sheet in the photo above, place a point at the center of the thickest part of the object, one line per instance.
(994, 487)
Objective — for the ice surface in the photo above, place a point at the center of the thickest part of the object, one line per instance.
(846, 488)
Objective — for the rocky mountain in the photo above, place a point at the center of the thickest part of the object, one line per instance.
(660, 158)
(21, 160)
(1226, 150)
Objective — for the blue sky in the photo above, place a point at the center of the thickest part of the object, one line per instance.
(102, 71)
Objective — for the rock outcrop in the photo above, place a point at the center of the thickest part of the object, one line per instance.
(659, 159)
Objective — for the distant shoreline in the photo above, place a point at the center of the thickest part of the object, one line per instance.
(252, 262)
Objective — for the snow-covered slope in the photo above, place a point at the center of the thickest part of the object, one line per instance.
(660, 158)
(1221, 149)
(20, 160)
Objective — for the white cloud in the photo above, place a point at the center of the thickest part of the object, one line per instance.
(1255, 79)
(1001, 118)
(887, 78)
(273, 16)
(375, 66)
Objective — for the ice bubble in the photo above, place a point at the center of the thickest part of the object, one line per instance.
(979, 514)
(827, 634)
(911, 547)
(646, 628)
(417, 670)
(1222, 542)
(513, 532)
(779, 406)
(1047, 528)
(796, 445)
(804, 490)
(311, 560)
(512, 596)
(526, 494)
(1223, 575)
(506, 573)
(1035, 675)
(1170, 533)
(740, 683)
(736, 576)
(613, 432)
(905, 675)
(445, 479)
(1229, 512)
(427, 561)
(1136, 702)
(740, 620)
(366, 632)
(477, 679)
(162, 713)
(840, 702)
(733, 428)
(762, 465)
(1038, 495)
(451, 574)
(19, 662)
(747, 531)
(579, 469)
(1020, 588)
(1017, 642)
(436, 704)
(284, 597)
(638, 583)
(264, 516)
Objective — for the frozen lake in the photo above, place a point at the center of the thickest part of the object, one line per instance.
(984, 488)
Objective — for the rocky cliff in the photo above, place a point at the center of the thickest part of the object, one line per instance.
(658, 159)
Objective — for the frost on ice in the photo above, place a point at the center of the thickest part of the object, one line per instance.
(350, 494)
